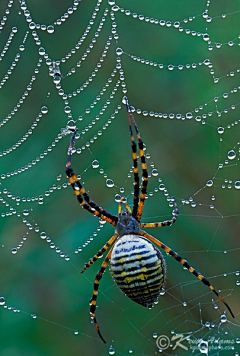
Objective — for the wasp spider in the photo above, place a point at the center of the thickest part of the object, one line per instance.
(136, 264)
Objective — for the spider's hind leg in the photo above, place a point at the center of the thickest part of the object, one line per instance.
(185, 263)
(93, 301)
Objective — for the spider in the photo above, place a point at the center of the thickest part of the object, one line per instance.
(136, 264)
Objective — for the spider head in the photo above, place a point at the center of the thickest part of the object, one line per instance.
(127, 224)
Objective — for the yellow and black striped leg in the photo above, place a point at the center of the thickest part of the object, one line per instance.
(164, 223)
(144, 168)
(99, 253)
(93, 301)
(178, 258)
(89, 205)
(135, 167)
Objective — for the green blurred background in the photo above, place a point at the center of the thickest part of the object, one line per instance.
(186, 153)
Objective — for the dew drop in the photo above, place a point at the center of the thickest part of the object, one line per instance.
(220, 130)
(76, 332)
(209, 183)
(124, 100)
(95, 164)
(44, 109)
(155, 172)
(71, 125)
(41, 51)
(111, 350)
(2, 300)
(25, 212)
(223, 318)
(43, 235)
(231, 154)
(154, 335)
(117, 198)
(206, 37)
(119, 51)
(50, 29)
(203, 347)
(14, 251)
(109, 183)
(67, 109)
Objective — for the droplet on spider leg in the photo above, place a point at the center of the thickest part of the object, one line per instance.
(71, 125)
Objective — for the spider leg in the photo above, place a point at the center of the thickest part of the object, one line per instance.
(164, 223)
(93, 301)
(78, 189)
(185, 263)
(144, 167)
(99, 253)
(135, 166)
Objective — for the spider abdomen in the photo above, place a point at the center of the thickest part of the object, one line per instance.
(138, 268)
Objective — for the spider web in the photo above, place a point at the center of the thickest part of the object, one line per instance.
(69, 63)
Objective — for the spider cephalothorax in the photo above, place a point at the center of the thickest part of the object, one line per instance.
(136, 263)
(127, 224)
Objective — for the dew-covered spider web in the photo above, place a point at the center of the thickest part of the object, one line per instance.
(67, 64)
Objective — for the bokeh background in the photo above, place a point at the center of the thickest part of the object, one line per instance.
(46, 297)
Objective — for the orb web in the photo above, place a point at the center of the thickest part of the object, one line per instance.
(64, 66)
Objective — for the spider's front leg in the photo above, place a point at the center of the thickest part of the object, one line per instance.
(166, 222)
(81, 193)
(99, 253)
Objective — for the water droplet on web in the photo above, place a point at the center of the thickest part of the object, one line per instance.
(130, 351)
(111, 350)
(117, 198)
(161, 187)
(237, 283)
(155, 335)
(71, 125)
(95, 164)
(43, 235)
(25, 212)
(231, 154)
(67, 109)
(109, 183)
(223, 318)
(41, 51)
(76, 332)
(111, 2)
(203, 347)
(155, 172)
(119, 52)
(124, 100)
(44, 109)
(206, 37)
(2, 300)
(220, 130)
(50, 29)
(209, 183)
(14, 251)
(184, 304)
